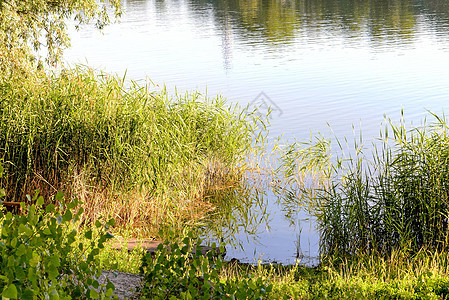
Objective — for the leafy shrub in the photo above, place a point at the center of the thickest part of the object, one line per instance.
(180, 271)
(41, 257)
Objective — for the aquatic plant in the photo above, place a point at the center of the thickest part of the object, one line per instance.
(135, 152)
(395, 199)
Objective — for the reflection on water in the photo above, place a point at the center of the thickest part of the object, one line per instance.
(258, 221)
(280, 22)
(278, 25)
(241, 211)
(340, 62)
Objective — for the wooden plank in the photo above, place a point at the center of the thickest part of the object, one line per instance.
(151, 246)
(8, 203)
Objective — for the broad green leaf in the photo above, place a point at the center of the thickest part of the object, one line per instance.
(67, 216)
(26, 230)
(59, 195)
(54, 295)
(40, 201)
(52, 271)
(55, 260)
(27, 294)
(50, 208)
(93, 294)
(110, 286)
(21, 250)
(111, 222)
(32, 275)
(36, 194)
(20, 272)
(80, 211)
(71, 205)
(32, 210)
(88, 234)
(10, 291)
(5, 231)
(22, 228)
(95, 284)
(97, 224)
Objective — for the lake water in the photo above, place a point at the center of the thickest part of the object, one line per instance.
(317, 62)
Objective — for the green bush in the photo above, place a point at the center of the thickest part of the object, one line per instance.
(42, 258)
(180, 271)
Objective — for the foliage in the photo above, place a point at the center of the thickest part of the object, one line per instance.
(136, 152)
(397, 199)
(41, 257)
(179, 270)
(121, 260)
(399, 276)
(26, 25)
(422, 276)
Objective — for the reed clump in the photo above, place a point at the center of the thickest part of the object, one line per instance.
(394, 199)
(134, 152)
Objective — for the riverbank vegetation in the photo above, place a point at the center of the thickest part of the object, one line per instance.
(43, 256)
(381, 211)
(154, 161)
(381, 218)
(158, 164)
(393, 198)
(135, 153)
(398, 276)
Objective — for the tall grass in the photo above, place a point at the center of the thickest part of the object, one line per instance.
(367, 276)
(395, 198)
(135, 152)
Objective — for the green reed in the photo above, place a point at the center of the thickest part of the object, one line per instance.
(394, 198)
(134, 151)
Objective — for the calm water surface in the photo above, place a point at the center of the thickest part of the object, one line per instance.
(319, 62)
